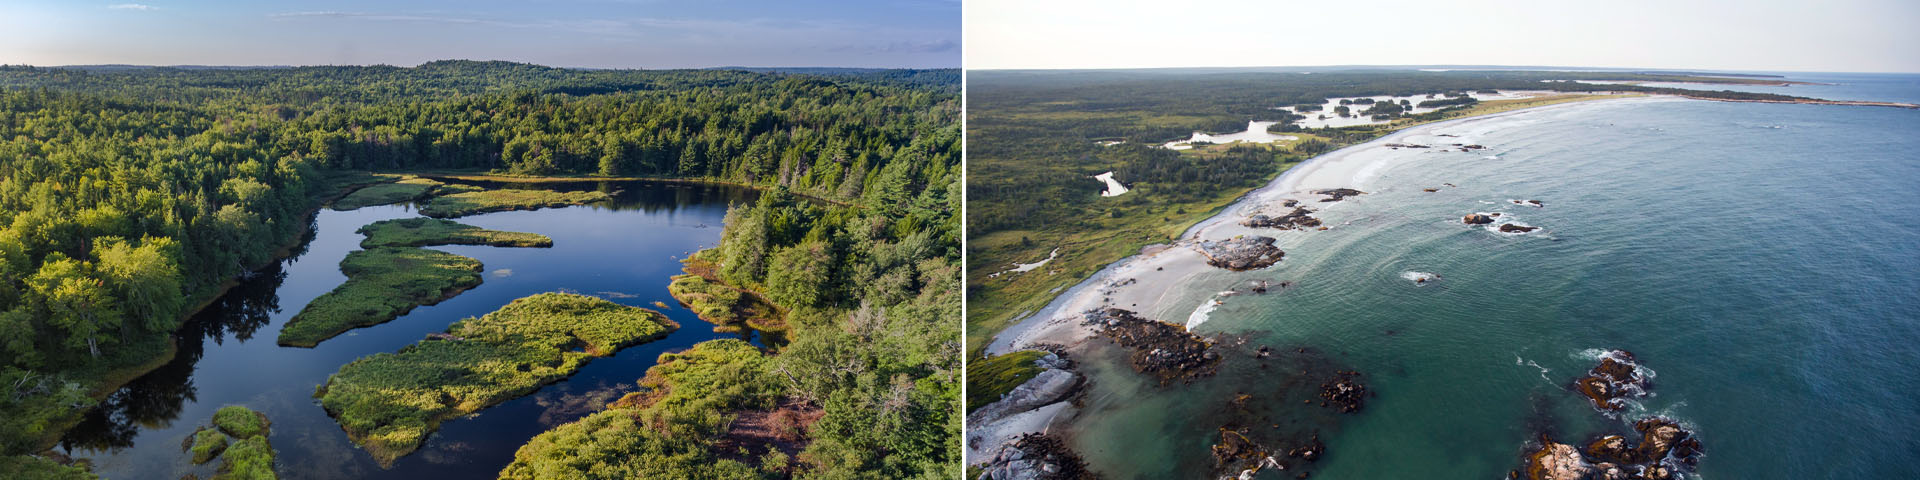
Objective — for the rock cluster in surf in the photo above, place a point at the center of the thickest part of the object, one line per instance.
(1665, 449)
(1166, 351)
(1241, 253)
(1337, 194)
(1344, 392)
(1301, 217)
(1613, 381)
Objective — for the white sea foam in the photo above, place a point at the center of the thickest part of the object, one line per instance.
(1419, 278)
(1201, 313)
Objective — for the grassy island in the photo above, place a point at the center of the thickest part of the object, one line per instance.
(729, 309)
(994, 376)
(389, 402)
(382, 284)
(681, 427)
(469, 203)
(427, 232)
(403, 190)
(239, 438)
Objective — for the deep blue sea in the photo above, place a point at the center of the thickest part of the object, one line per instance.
(1762, 260)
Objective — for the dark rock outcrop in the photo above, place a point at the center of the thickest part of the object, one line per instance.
(1476, 219)
(1242, 253)
(1166, 351)
(1344, 392)
(1516, 228)
(1337, 194)
(1299, 218)
(1036, 456)
(1611, 382)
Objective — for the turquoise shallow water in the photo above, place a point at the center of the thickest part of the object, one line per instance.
(1760, 259)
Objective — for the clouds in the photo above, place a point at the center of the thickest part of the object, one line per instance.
(133, 6)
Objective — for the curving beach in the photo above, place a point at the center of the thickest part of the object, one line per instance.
(1149, 278)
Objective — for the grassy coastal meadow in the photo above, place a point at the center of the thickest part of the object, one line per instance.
(1266, 317)
(159, 218)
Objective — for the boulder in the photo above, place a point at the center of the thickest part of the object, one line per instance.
(1476, 219)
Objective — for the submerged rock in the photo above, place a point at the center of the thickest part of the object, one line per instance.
(1516, 228)
(1242, 253)
(1344, 392)
(1166, 351)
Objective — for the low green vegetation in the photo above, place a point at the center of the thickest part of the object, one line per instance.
(240, 422)
(406, 189)
(426, 232)
(469, 203)
(389, 402)
(729, 309)
(207, 444)
(239, 439)
(677, 427)
(382, 284)
(206, 173)
(250, 459)
(994, 376)
(28, 467)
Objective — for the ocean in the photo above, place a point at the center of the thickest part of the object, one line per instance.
(1761, 261)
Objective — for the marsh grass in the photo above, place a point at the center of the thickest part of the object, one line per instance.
(730, 309)
(238, 438)
(382, 284)
(406, 189)
(472, 202)
(207, 444)
(240, 422)
(250, 459)
(426, 232)
(389, 402)
(672, 430)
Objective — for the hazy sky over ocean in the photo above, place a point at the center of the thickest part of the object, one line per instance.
(569, 33)
(1834, 35)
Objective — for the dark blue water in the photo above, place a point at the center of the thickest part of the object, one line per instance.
(623, 250)
(1761, 259)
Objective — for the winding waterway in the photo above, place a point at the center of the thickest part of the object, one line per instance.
(623, 250)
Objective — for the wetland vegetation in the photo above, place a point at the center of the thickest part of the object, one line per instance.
(382, 284)
(389, 402)
(427, 232)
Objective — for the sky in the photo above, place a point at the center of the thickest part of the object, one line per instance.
(562, 33)
(1767, 35)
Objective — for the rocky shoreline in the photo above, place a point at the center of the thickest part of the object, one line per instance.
(1665, 448)
(1165, 351)
(1241, 253)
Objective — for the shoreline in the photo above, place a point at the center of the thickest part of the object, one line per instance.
(1171, 265)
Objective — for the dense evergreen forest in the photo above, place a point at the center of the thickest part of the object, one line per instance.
(128, 197)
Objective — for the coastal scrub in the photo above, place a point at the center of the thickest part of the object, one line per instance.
(382, 284)
(389, 402)
(994, 376)
(679, 428)
(729, 309)
(426, 232)
(469, 203)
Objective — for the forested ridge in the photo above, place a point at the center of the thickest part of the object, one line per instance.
(127, 197)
